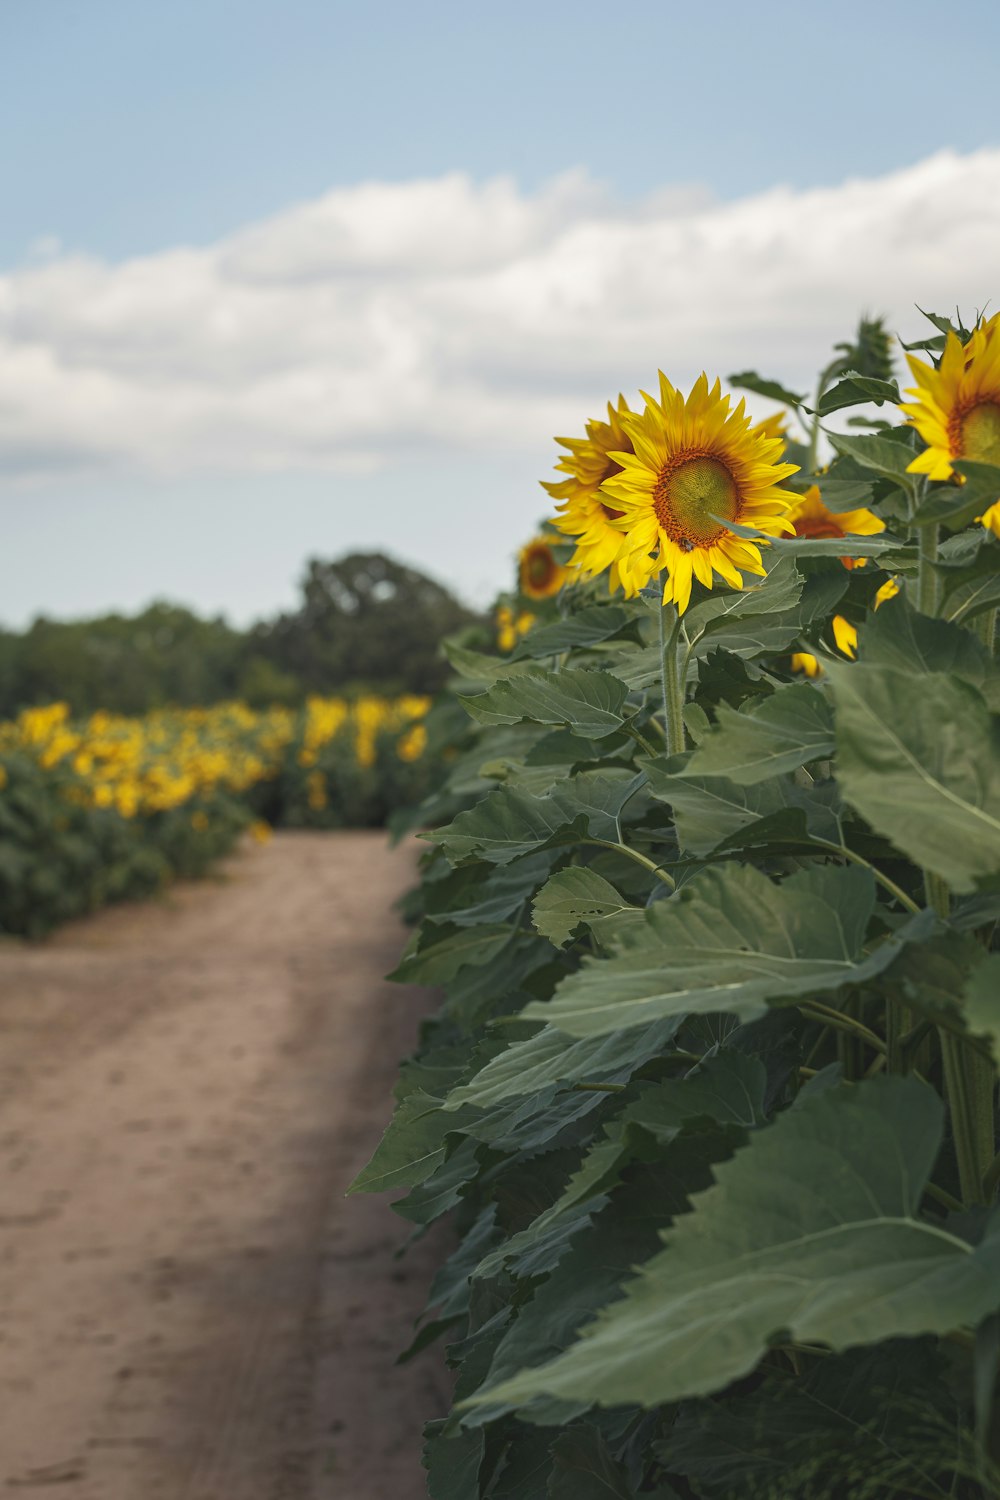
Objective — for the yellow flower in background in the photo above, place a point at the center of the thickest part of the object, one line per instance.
(584, 512)
(412, 744)
(810, 517)
(804, 661)
(846, 636)
(511, 627)
(539, 574)
(4, 778)
(991, 518)
(888, 591)
(697, 466)
(260, 831)
(140, 767)
(956, 408)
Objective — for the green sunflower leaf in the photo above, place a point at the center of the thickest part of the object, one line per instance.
(586, 701)
(550, 1056)
(791, 728)
(845, 546)
(509, 823)
(956, 506)
(981, 1001)
(857, 390)
(968, 597)
(780, 590)
(811, 1233)
(749, 380)
(727, 1089)
(842, 494)
(731, 940)
(479, 666)
(441, 958)
(583, 1468)
(886, 456)
(452, 1460)
(712, 812)
(474, 894)
(918, 755)
(600, 1259)
(576, 897)
(412, 1148)
(588, 627)
(899, 636)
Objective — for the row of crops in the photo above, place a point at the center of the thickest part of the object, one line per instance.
(711, 898)
(109, 807)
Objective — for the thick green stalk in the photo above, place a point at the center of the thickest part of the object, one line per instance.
(938, 895)
(895, 1022)
(927, 579)
(673, 693)
(969, 1081)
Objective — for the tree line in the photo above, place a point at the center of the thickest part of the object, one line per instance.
(363, 621)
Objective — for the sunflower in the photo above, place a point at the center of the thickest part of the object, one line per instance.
(696, 466)
(991, 518)
(511, 627)
(774, 427)
(810, 517)
(584, 513)
(539, 574)
(956, 408)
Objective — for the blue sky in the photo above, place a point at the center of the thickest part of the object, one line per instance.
(142, 125)
(140, 128)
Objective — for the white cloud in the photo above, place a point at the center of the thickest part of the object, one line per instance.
(385, 320)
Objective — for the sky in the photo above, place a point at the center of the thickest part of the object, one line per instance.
(293, 277)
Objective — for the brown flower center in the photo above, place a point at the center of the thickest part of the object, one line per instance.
(816, 526)
(691, 496)
(979, 434)
(541, 566)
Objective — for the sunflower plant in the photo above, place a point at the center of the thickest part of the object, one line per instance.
(711, 894)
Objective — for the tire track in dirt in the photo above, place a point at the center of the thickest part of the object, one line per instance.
(188, 1308)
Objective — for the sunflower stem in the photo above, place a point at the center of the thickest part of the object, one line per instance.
(969, 1082)
(639, 737)
(635, 854)
(839, 1021)
(821, 389)
(883, 879)
(938, 896)
(673, 696)
(927, 579)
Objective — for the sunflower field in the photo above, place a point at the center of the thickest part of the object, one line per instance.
(108, 807)
(711, 895)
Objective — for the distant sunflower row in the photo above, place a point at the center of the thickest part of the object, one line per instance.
(109, 807)
(141, 766)
(691, 488)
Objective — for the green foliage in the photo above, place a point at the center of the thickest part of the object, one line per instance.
(711, 1094)
(59, 859)
(364, 620)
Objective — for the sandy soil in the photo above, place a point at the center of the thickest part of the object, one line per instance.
(189, 1309)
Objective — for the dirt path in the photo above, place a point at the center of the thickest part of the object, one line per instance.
(188, 1307)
